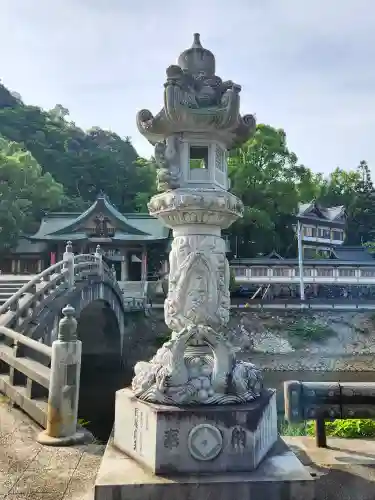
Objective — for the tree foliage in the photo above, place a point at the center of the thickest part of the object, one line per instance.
(83, 162)
(267, 177)
(25, 192)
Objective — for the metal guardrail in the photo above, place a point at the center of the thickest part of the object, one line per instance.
(321, 401)
(315, 304)
(345, 305)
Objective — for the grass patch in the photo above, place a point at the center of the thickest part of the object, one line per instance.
(348, 429)
(82, 422)
(304, 330)
(287, 429)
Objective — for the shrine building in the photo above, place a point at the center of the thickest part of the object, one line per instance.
(125, 240)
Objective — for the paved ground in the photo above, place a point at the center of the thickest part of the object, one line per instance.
(28, 470)
(344, 471)
(31, 471)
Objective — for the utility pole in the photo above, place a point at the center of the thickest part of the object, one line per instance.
(300, 260)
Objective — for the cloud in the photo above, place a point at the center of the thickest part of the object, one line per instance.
(304, 66)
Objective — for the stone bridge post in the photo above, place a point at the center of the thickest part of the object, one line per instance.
(68, 259)
(98, 254)
(113, 270)
(64, 386)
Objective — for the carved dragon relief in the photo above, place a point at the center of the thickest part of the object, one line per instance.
(167, 158)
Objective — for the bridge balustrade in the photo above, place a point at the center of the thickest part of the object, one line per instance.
(20, 306)
(22, 379)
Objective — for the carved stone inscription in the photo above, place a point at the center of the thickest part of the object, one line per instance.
(171, 438)
(138, 431)
(135, 429)
(238, 439)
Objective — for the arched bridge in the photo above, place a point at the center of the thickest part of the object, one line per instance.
(33, 312)
(35, 305)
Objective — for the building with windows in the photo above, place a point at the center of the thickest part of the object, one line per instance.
(322, 229)
(125, 240)
(328, 266)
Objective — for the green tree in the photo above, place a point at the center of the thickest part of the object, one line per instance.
(84, 162)
(354, 190)
(267, 177)
(25, 192)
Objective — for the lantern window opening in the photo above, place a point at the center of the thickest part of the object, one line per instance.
(198, 157)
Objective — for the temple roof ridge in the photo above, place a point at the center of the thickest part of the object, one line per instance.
(69, 225)
(102, 205)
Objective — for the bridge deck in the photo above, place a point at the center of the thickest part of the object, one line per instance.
(30, 471)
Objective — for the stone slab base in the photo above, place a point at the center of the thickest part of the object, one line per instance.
(196, 439)
(281, 476)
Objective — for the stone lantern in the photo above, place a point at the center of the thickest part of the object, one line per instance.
(194, 408)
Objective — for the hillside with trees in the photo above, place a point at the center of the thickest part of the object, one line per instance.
(48, 163)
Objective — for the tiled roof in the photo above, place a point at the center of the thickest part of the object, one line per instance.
(133, 227)
(24, 246)
(353, 253)
(350, 255)
(329, 213)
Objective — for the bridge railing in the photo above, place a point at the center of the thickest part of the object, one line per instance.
(49, 395)
(321, 401)
(25, 381)
(19, 308)
(64, 273)
(283, 272)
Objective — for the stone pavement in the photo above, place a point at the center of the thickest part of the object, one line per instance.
(28, 470)
(343, 471)
(31, 471)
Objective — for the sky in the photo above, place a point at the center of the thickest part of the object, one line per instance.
(307, 66)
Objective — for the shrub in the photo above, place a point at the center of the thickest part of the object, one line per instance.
(349, 429)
